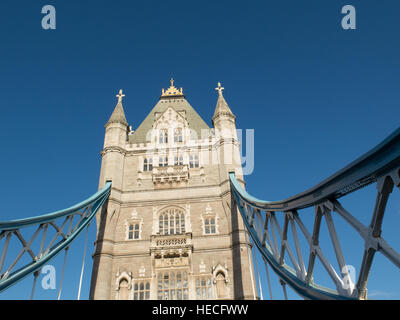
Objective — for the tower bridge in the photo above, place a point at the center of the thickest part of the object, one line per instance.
(173, 223)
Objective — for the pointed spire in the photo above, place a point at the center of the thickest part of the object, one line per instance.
(118, 115)
(222, 107)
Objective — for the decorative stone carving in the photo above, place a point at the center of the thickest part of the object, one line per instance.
(171, 262)
(171, 242)
(139, 179)
(187, 219)
(170, 174)
(220, 279)
(202, 174)
(208, 209)
(171, 250)
(202, 267)
(123, 284)
(142, 271)
(155, 221)
(134, 214)
(172, 90)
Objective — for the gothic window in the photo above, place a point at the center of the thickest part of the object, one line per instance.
(172, 221)
(148, 164)
(141, 290)
(204, 288)
(194, 161)
(123, 289)
(163, 161)
(209, 226)
(178, 160)
(178, 137)
(163, 137)
(172, 285)
(133, 231)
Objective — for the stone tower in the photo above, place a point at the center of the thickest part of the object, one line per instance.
(169, 229)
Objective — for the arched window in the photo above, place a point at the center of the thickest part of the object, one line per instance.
(172, 221)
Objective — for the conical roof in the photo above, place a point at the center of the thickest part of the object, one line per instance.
(221, 107)
(118, 115)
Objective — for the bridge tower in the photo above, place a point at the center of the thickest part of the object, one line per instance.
(169, 229)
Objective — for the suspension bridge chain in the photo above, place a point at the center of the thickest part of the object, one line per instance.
(381, 166)
(41, 238)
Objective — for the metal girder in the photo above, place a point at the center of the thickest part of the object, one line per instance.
(380, 165)
(382, 160)
(16, 270)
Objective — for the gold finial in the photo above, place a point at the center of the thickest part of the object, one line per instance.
(219, 88)
(172, 90)
(120, 96)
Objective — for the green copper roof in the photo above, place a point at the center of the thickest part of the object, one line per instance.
(179, 103)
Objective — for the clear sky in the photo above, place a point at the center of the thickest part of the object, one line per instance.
(316, 95)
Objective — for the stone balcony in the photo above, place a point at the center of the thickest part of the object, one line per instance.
(170, 174)
(171, 246)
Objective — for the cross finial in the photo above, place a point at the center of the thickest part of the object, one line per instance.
(120, 95)
(172, 82)
(219, 88)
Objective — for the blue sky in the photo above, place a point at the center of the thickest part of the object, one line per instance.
(316, 95)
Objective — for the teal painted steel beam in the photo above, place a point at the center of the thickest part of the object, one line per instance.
(381, 161)
(20, 223)
(309, 291)
(361, 172)
(95, 202)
